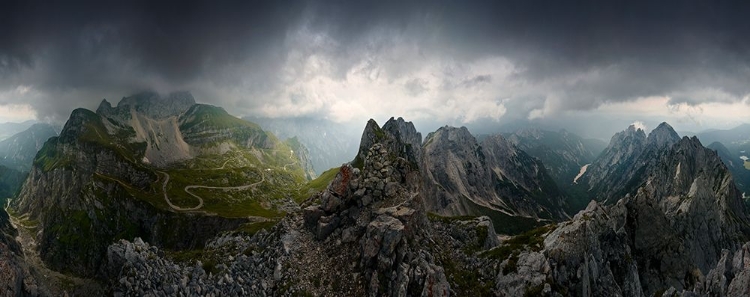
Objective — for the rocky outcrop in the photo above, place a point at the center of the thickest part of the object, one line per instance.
(408, 141)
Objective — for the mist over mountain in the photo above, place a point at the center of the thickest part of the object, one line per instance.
(9, 129)
(374, 148)
(330, 144)
(450, 212)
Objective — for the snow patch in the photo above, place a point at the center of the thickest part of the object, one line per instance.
(580, 173)
(744, 158)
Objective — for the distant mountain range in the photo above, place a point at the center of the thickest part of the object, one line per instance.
(9, 129)
(19, 150)
(160, 195)
(563, 153)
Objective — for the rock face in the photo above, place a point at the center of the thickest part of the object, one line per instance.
(18, 151)
(462, 176)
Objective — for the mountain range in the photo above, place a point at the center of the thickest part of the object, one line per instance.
(18, 151)
(161, 195)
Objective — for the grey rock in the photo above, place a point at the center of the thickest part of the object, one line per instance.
(326, 226)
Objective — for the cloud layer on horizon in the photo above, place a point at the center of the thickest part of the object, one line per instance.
(439, 61)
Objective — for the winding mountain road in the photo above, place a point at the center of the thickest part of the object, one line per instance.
(200, 200)
(166, 197)
(291, 156)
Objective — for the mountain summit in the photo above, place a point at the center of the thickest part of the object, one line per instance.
(150, 104)
(152, 167)
(622, 165)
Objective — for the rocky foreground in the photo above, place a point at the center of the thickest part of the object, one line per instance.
(681, 231)
(368, 234)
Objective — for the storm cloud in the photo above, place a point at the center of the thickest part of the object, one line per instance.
(454, 62)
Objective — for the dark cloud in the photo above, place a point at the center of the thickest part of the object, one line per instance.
(572, 55)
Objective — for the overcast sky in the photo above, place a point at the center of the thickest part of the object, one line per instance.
(592, 66)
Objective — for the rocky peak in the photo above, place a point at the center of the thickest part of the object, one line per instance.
(104, 107)
(663, 136)
(631, 132)
(451, 135)
(398, 136)
(370, 136)
(464, 177)
(75, 125)
(377, 209)
(410, 139)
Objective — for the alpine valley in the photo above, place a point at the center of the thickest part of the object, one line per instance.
(161, 196)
